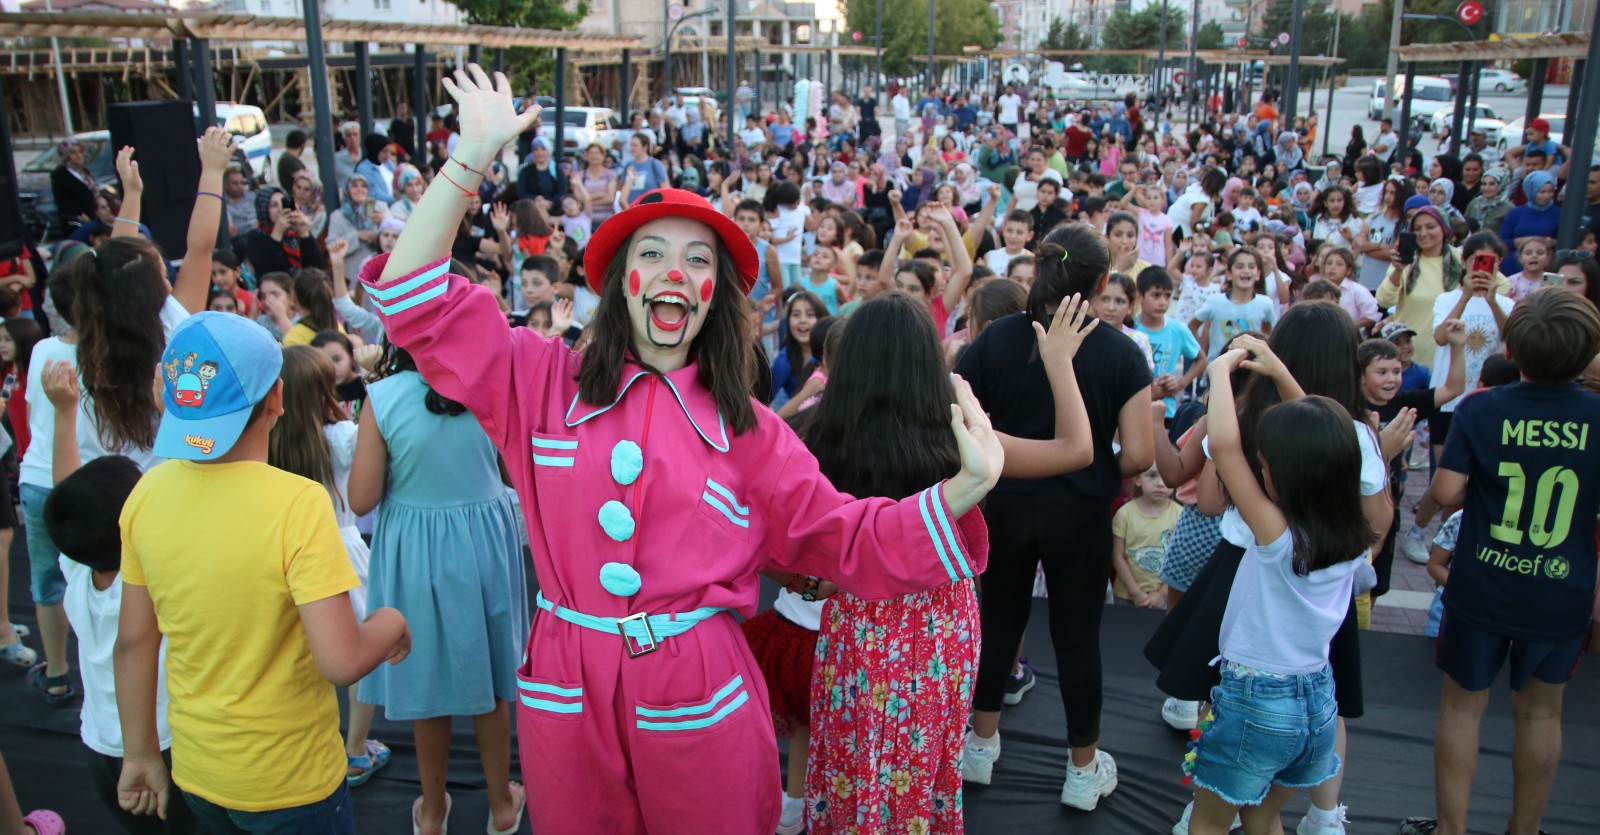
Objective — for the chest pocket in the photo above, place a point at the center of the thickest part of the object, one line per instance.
(722, 508)
(554, 456)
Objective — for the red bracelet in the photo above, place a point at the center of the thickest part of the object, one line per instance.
(468, 167)
(464, 191)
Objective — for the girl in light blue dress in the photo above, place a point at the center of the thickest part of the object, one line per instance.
(446, 552)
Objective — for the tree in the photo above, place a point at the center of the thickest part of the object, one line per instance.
(1210, 36)
(525, 66)
(1066, 36)
(957, 24)
(1138, 30)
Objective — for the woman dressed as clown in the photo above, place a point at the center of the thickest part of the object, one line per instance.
(655, 492)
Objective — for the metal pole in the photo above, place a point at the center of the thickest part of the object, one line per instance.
(475, 54)
(877, 80)
(206, 85)
(930, 43)
(1327, 130)
(363, 88)
(320, 104)
(627, 85)
(732, 78)
(1472, 105)
(1574, 90)
(666, 63)
(419, 100)
(1194, 65)
(561, 104)
(1541, 68)
(1404, 149)
(1161, 58)
(61, 77)
(1291, 78)
(755, 99)
(1580, 138)
(500, 59)
(1394, 56)
(1458, 117)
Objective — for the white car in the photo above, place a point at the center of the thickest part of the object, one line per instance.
(1487, 120)
(581, 127)
(1515, 133)
(1428, 88)
(1501, 81)
(249, 125)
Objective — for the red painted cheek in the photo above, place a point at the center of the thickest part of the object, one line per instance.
(633, 283)
(705, 291)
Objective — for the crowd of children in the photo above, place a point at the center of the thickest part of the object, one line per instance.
(1196, 360)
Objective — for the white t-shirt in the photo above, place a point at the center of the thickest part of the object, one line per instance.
(1374, 478)
(38, 462)
(1182, 210)
(1279, 621)
(999, 260)
(753, 136)
(1384, 144)
(901, 105)
(1010, 104)
(1483, 338)
(94, 614)
(341, 439)
(1336, 232)
(797, 611)
(790, 220)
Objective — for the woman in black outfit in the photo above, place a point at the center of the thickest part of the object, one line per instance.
(1063, 522)
(281, 241)
(1354, 149)
(73, 188)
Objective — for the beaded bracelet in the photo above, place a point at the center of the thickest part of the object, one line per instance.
(209, 194)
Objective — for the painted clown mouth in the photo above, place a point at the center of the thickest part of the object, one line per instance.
(670, 310)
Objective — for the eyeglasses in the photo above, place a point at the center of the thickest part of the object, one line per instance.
(1578, 254)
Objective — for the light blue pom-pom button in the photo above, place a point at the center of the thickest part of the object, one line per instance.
(617, 520)
(627, 461)
(619, 579)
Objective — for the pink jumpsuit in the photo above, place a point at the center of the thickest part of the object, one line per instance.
(651, 505)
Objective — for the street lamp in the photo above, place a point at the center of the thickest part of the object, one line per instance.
(672, 29)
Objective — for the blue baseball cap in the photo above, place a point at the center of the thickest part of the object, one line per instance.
(215, 370)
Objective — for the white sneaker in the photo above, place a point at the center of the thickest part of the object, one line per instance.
(1415, 545)
(1182, 826)
(977, 761)
(1083, 789)
(793, 821)
(1334, 827)
(1181, 715)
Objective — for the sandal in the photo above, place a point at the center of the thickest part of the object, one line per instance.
(45, 822)
(17, 654)
(22, 631)
(416, 809)
(377, 757)
(43, 683)
(521, 796)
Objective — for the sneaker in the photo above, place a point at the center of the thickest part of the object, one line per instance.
(1182, 826)
(1181, 715)
(1083, 789)
(1415, 545)
(1418, 826)
(18, 654)
(793, 820)
(977, 761)
(1018, 685)
(1332, 827)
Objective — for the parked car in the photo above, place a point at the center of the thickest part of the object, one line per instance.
(33, 181)
(582, 126)
(1487, 119)
(1515, 133)
(1501, 81)
(1427, 88)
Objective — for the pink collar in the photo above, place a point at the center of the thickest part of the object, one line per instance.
(696, 403)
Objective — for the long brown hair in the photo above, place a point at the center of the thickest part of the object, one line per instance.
(722, 350)
(297, 443)
(119, 292)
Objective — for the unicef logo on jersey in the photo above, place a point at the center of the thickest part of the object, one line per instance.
(1557, 568)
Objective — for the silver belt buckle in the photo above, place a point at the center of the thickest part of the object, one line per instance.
(644, 649)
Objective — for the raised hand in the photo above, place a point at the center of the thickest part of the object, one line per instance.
(128, 172)
(994, 191)
(337, 250)
(486, 115)
(939, 213)
(216, 149)
(982, 457)
(1261, 360)
(60, 381)
(1067, 330)
(561, 317)
(500, 217)
(1455, 332)
(1395, 437)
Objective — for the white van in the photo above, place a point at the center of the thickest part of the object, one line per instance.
(249, 125)
(1427, 88)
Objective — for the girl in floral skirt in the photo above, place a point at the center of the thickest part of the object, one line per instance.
(893, 679)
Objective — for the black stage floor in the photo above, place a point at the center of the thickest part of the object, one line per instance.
(1390, 774)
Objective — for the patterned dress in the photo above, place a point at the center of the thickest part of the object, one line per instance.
(889, 705)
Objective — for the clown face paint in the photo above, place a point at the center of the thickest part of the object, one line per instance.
(672, 272)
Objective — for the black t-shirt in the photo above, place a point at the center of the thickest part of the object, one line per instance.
(1525, 559)
(1009, 380)
(1420, 399)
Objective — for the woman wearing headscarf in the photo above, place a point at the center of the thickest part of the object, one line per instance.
(408, 186)
(1489, 209)
(374, 166)
(1537, 219)
(921, 191)
(965, 178)
(282, 240)
(877, 209)
(1290, 157)
(838, 188)
(357, 222)
(1441, 193)
(307, 198)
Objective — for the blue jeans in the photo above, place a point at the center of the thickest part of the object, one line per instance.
(1267, 731)
(48, 584)
(331, 816)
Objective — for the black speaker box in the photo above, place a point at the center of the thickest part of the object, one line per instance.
(162, 136)
(12, 231)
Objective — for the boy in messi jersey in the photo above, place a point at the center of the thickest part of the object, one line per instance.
(1524, 459)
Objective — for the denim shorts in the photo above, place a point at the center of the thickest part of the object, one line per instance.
(1267, 731)
(1193, 540)
(332, 815)
(48, 584)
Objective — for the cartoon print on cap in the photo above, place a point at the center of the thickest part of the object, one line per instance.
(189, 390)
(208, 371)
(172, 370)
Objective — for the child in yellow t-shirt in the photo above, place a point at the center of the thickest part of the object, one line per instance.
(241, 568)
(1139, 535)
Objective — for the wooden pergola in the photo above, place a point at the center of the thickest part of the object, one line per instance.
(1565, 45)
